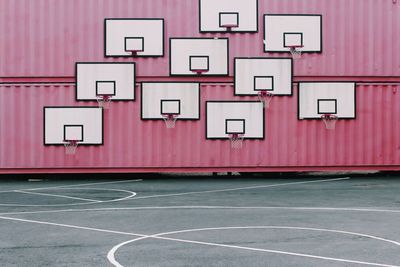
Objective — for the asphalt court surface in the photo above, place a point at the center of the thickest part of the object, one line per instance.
(201, 221)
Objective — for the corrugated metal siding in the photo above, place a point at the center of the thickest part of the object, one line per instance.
(46, 37)
(373, 139)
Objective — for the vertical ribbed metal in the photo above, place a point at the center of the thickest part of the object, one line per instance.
(46, 37)
(373, 139)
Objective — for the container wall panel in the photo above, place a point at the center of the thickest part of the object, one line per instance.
(41, 40)
(46, 37)
(371, 140)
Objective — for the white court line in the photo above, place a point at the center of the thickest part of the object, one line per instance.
(111, 254)
(52, 195)
(199, 192)
(61, 186)
(208, 207)
(111, 257)
(113, 250)
(243, 188)
(71, 226)
(131, 195)
(113, 261)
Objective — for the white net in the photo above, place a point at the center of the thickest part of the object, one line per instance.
(170, 120)
(265, 97)
(104, 101)
(296, 54)
(236, 140)
(329, 121)
(70, 147)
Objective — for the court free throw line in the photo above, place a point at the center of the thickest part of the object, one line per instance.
(328, 209)
(87, 202)
(74, 185)
(53, 195)
(243, 188)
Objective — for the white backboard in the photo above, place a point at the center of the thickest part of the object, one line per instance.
(235, 126)
(151, 31)
(94, 78)
(105, 88)
(73, 122)
(228, 19)
(171, 106)
(281, 31)
(225, 116)
(161, 97)
(73, 132)
(263, 83)
(213, 14)
(318, 98)
(135, 44)
(181, 49)
(199, 63)
(272, 74)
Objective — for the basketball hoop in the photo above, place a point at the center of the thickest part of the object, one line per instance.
(199, 71)
(104, 101)
(229, 27)
(236, 140)
(329, 121)
(70, 146)
(134, 52)
(296, 54)
(170, 120)
(265, 97)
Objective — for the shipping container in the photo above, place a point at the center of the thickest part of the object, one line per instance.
(372, 141)
(42, 41)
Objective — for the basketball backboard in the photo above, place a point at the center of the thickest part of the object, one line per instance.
(320, 98)
(125, 37)
(176, 98)
(83, 124)
(73, 132)
(94, 79)
(235, 117)
(283, 32)
(199, 63)
(253, 75)
(235, 126)
(188, 56)
(228, 15)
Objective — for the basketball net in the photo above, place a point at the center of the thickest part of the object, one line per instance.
(265, 97)
(329, 121)
(104, 101)
(70, 147)
(296, 54)
(170, 120)
(236, 140)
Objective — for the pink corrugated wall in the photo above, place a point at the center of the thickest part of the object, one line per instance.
(370, 141)
(41, 40)
(46, 37)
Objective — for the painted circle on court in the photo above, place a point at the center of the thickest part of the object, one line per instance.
(83, 201)
(163, 236)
